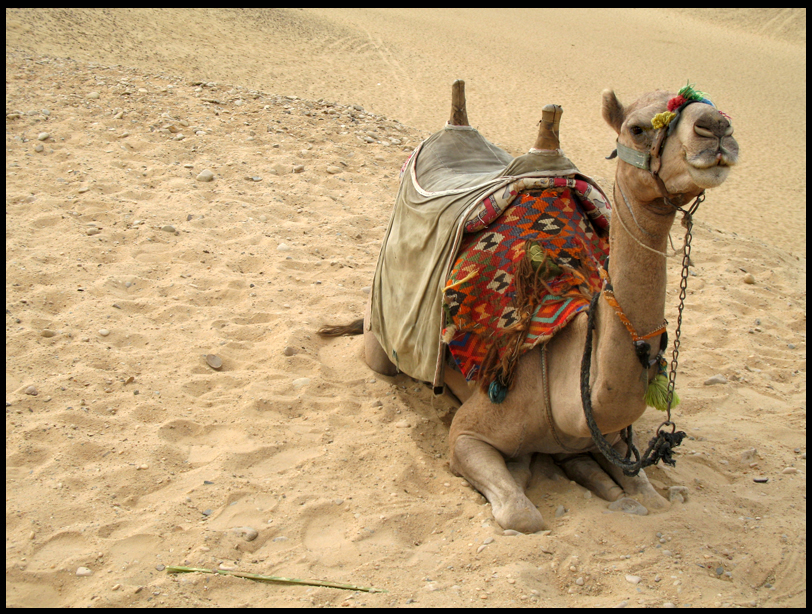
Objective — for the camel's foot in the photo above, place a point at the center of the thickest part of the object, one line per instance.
(485, 468)
(518, 514)
(609, 482)
(638, 487)
(583, 469)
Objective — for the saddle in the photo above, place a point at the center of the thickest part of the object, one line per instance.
(456, 180)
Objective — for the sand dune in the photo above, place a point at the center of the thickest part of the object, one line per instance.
(124, 270)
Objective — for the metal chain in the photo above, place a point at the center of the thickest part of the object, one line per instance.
(688, 222)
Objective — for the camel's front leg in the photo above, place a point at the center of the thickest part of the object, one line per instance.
(637, 486)
(484, 467)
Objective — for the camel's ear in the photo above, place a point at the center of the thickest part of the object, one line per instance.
(612, 110)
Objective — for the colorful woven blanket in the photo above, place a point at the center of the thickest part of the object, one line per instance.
(521, 280)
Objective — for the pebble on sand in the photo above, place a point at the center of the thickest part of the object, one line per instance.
(247, 533)
(301, 382)
(678, 493)
(205, 175)
(716, 379)
(104, 332)
(83, 571)
(43, 136)
(31, 390)
(629, 506)
(749, 279)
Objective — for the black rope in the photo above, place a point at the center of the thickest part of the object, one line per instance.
(660, 446)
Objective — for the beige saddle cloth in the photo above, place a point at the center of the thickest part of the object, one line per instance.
(443, 183)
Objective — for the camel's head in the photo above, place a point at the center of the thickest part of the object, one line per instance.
(697, 152)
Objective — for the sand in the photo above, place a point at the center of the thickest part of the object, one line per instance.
(123, 271)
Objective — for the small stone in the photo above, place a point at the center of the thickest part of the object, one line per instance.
(282, 247)
(403, 424)
(749, 279)
(93, 231)
(31, 390)
(104, 332)
(716, 379)
(748, 455)
(43, 136)
(289, 351)
(227, 567)
(579, 582)
(39, 148)
(301, 382)
(678, 493)
(789, 470)
(93, 95)
(633, 579)
(83, 571)
(628, 506)
(168, 228)
(510, 532)
(299, 168)
(205, 175)
(761, 480)
(247, 533)
(115, 587)
(47, 332)
(338, 501)
(214, 361)
(333, 170)
(560, 511)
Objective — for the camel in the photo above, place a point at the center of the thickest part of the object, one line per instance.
(491, 444)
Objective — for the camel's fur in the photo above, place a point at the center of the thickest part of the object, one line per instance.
(491, 444)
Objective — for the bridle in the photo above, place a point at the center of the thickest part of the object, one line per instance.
(661, 445)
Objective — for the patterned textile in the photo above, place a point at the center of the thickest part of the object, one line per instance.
(483, 320)
(592, 200)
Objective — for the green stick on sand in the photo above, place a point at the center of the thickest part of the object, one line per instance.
(278, 579)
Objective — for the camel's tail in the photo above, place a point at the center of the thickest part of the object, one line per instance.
(356, 328)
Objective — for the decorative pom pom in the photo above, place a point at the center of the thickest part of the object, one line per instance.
(661, 120)
(497, 392)
(676, 102)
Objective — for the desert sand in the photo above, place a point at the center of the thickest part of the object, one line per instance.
(127, 452)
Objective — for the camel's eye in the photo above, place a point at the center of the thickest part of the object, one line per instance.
(636, 130)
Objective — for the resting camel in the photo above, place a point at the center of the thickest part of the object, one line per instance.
(659, 169)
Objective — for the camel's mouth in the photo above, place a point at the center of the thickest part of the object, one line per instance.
(709, 169)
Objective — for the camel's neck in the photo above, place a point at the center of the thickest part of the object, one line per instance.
(638, 276)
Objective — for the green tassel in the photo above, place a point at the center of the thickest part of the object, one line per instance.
(657, 393)
(689, 93)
